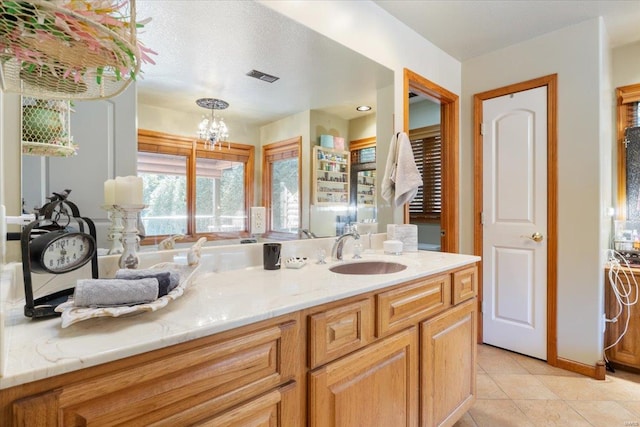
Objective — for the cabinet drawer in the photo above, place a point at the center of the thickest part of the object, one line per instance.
(406, 305)
(218, 376)
(465, 284)
(338, 331)
(269, 410)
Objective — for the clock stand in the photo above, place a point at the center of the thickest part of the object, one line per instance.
(49, 232)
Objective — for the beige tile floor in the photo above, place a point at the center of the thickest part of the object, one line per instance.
(518, 391)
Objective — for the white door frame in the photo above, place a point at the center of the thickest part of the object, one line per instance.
(552, 195)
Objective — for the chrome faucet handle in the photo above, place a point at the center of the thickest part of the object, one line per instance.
(322, 255)
(357, 249)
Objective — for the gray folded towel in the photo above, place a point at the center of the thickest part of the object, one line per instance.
(167, 279)
(114, 292)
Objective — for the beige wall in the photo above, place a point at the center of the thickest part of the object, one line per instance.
(183, 123)
(575, 54)
(626, 64)
(362, 127)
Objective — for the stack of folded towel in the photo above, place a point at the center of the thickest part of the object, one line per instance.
(129, 287)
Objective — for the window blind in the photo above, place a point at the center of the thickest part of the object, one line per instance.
(427, 151)
(632, 114)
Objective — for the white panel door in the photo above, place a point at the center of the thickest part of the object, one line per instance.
(515, 222)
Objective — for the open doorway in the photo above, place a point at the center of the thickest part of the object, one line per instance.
(439, 101)
(426, 142)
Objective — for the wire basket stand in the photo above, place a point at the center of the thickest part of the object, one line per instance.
(46, 128)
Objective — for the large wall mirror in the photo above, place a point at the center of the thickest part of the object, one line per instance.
(206, 50)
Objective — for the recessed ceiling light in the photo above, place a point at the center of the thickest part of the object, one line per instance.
(363, 108)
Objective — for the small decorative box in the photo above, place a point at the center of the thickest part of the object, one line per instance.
(326, 141)
(295, 262)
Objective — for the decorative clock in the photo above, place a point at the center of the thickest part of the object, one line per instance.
(51, 244)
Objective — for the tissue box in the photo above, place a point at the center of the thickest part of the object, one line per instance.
(406, 233)
(326, 141)
(338, 143)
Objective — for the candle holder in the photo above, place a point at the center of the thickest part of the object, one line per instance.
(114, 234)
(130, 239)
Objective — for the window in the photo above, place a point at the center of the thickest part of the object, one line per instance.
(628, 152)
(281, 186)
(427, 151)
(191, 190)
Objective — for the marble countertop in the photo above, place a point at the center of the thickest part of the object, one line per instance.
(215, 302)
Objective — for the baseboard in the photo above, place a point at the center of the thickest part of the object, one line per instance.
(597, 372)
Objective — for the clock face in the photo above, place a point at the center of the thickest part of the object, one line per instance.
(67, 252)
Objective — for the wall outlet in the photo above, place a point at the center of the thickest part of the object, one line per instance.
(258, 220)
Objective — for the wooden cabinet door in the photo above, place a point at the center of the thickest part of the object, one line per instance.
(627, 350)
(448, 365)
(375, 386)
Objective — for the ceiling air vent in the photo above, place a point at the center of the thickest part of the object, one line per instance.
(262, 76)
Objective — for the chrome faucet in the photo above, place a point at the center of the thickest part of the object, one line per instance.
(308, 234)
(336, 251)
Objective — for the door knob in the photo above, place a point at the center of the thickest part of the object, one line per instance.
(536, 237)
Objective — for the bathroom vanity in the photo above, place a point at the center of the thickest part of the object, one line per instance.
(254, 347)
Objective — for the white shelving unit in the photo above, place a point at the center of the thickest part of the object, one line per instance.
(366, 188)
(330, 176)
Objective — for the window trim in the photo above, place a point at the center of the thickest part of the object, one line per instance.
(431, 131)
(624, 95)
(280, 150)
(165, 143)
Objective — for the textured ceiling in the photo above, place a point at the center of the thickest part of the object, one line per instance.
(205, 49)
(469, 28)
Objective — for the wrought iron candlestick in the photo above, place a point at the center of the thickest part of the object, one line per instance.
(130, 239)
(115, 229)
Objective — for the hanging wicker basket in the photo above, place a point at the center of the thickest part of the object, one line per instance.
(67, 50)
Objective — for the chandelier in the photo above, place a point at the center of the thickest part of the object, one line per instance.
(213, 130)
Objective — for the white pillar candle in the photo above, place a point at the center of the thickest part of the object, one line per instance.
(110, 192)
(123, 191)
(136, 182)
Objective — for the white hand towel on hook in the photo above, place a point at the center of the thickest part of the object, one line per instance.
(387, 188)
(402, 178)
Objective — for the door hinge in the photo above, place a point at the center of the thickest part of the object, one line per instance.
(482, 129)
(482, 218)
